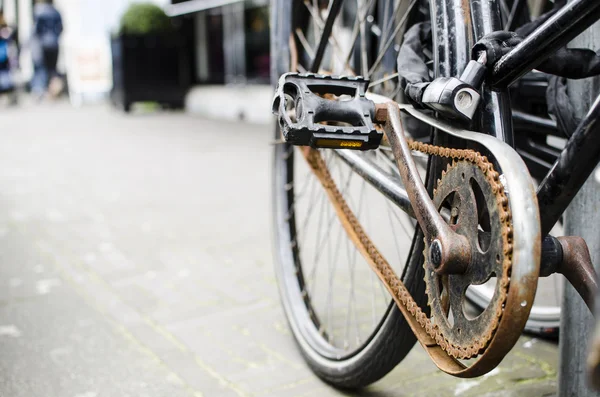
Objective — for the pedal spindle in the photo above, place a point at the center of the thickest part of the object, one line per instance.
(326, 112)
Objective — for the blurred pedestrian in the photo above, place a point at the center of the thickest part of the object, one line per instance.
(7, 60)
(47, 28)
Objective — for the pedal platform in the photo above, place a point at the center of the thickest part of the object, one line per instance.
(326, 112)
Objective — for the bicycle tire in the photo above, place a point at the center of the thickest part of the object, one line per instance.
(392, 339)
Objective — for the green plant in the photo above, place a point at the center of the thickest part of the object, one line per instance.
(144, 18)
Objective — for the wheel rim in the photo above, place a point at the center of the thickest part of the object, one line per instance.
(545, 312)
(337, 302)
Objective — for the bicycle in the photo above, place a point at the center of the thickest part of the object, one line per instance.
(466, 203)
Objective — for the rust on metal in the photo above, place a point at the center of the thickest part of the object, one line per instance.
(455, 248)
(577, 267)
(381, 113)
(456, 188)
(506, 328)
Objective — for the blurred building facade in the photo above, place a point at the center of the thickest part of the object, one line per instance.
(229, 39)
(85, 43)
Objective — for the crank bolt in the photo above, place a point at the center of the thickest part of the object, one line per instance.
(435, 253)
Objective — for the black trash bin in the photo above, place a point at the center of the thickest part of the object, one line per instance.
(150, 68)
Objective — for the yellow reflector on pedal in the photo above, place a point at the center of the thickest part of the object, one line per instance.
(339, 144)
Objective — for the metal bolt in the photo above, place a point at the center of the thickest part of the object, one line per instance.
(464, 99)
(454, 212)
(435, 253)
(482, 59)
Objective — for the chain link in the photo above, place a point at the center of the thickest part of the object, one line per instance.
(385, 271)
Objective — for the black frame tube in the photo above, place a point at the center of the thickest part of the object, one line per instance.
(495, 116)
(572, 19)
(574, 165)
(334, 10)
(451, 55)
(515, 10)
(384, 183)
(582, 153)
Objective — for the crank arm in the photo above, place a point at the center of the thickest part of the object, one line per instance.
(526, 252)
(570, 257)
(526, 233)
(450, 252)
(412, 313)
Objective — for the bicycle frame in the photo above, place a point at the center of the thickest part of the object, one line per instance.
(582, 152)
(566, 24)
(452, 53)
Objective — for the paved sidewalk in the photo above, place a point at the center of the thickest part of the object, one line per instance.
(249, 103)
(136, 261)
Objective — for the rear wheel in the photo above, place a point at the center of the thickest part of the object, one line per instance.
(345, 324)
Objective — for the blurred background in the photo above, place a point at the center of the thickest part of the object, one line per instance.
(160, 51)
(135, 238)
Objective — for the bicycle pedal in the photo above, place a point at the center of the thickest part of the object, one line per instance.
(326, 112)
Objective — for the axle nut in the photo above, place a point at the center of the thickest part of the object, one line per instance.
(435, 253)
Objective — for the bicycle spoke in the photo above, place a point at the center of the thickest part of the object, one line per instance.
(363, 48)
(353, 255)
(504, 11)
(313, 272)
(386, 18)
(514, 11)
(305, 43)
(332, 259)
(384, 79)
(391, 38)
(389, 23)
(344, 303)
(337, 48)
(396, 92)
(316, 27)
(313, 9)
(356, 29)
(329, 224)
(311, 204)
(300, 192)
(351, 308)
(320, 242)
(361, 217)
(407, 231)
(390, 211)
(329, 297)
(334, 9)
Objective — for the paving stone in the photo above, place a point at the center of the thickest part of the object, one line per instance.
(139, 248)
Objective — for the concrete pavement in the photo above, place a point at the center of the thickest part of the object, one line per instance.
(136, 261)
(231, 102)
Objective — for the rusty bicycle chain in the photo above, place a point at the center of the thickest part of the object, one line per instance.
(386, 272)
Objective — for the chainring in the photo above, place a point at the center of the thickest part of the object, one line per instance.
(473, 209)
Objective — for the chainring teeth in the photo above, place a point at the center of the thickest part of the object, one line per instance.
(386, 272)
(461, 351)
